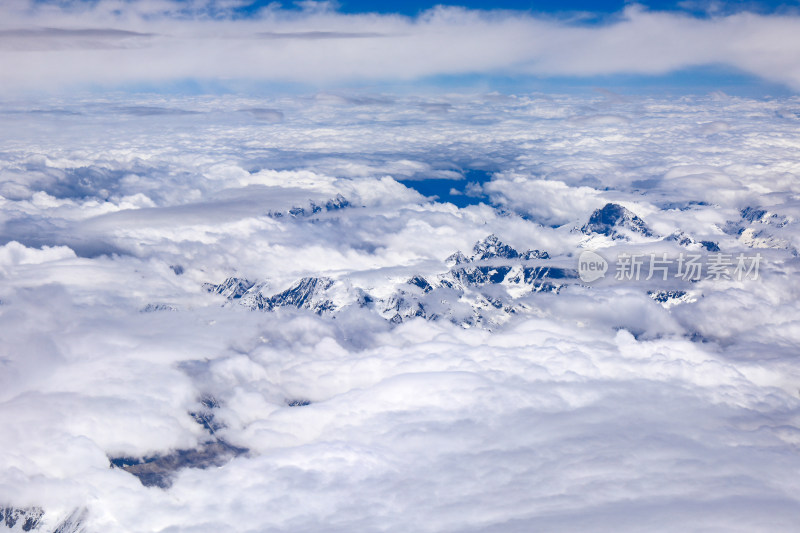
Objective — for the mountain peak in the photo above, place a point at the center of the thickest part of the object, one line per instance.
(535, 254)
(611, 218)
(232, 288)
(492, 247)
(456, 259)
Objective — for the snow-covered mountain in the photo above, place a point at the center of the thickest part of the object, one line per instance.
(37, 520)
(475, 289)
(760, 227)
(617, 222)
(312, 208)
(483, 287)
(17, 519)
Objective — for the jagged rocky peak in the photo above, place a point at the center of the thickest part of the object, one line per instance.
(455, 294)
(456, 259)
(687, 240)
(757, 214)
(421, 282)
(338, 202)
(493, 248)
(231, 288)
(611, 218)
(760, 227)
(400, 307)
(21, 519)
(308, 293)
(32, 519)
(755, 219)
(751, 214)
(535, 254)
(681, 238)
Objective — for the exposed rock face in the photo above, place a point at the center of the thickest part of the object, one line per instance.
(313, 208)
(613, 220)
(231, 288)
(759, 227)
(33, 519)
(158, 470)
(491, 247)
(25, 519)
(687, 240)
(458, 294)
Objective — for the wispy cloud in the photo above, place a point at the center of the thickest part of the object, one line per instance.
(45, 45)
(55, 39)
(315, 35)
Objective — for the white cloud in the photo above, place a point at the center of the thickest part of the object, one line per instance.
(547, 202)
(593, 408)
(46, 46)
(14, 253)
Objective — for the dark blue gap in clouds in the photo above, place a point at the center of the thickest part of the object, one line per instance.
(441, 188)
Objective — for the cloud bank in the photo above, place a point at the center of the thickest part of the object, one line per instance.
(599, 408)
(47, 46)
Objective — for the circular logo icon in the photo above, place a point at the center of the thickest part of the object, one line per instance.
(591, 266)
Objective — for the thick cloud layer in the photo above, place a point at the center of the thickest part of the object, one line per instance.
(55, 45)
(597, 407)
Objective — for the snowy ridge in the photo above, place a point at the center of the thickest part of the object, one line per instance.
(761, 227)
(17, 519)
(482, 288)
(456, 295)
(35, 519)
(313, 208)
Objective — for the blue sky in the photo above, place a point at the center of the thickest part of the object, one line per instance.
(681, 81)
(549, 6)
